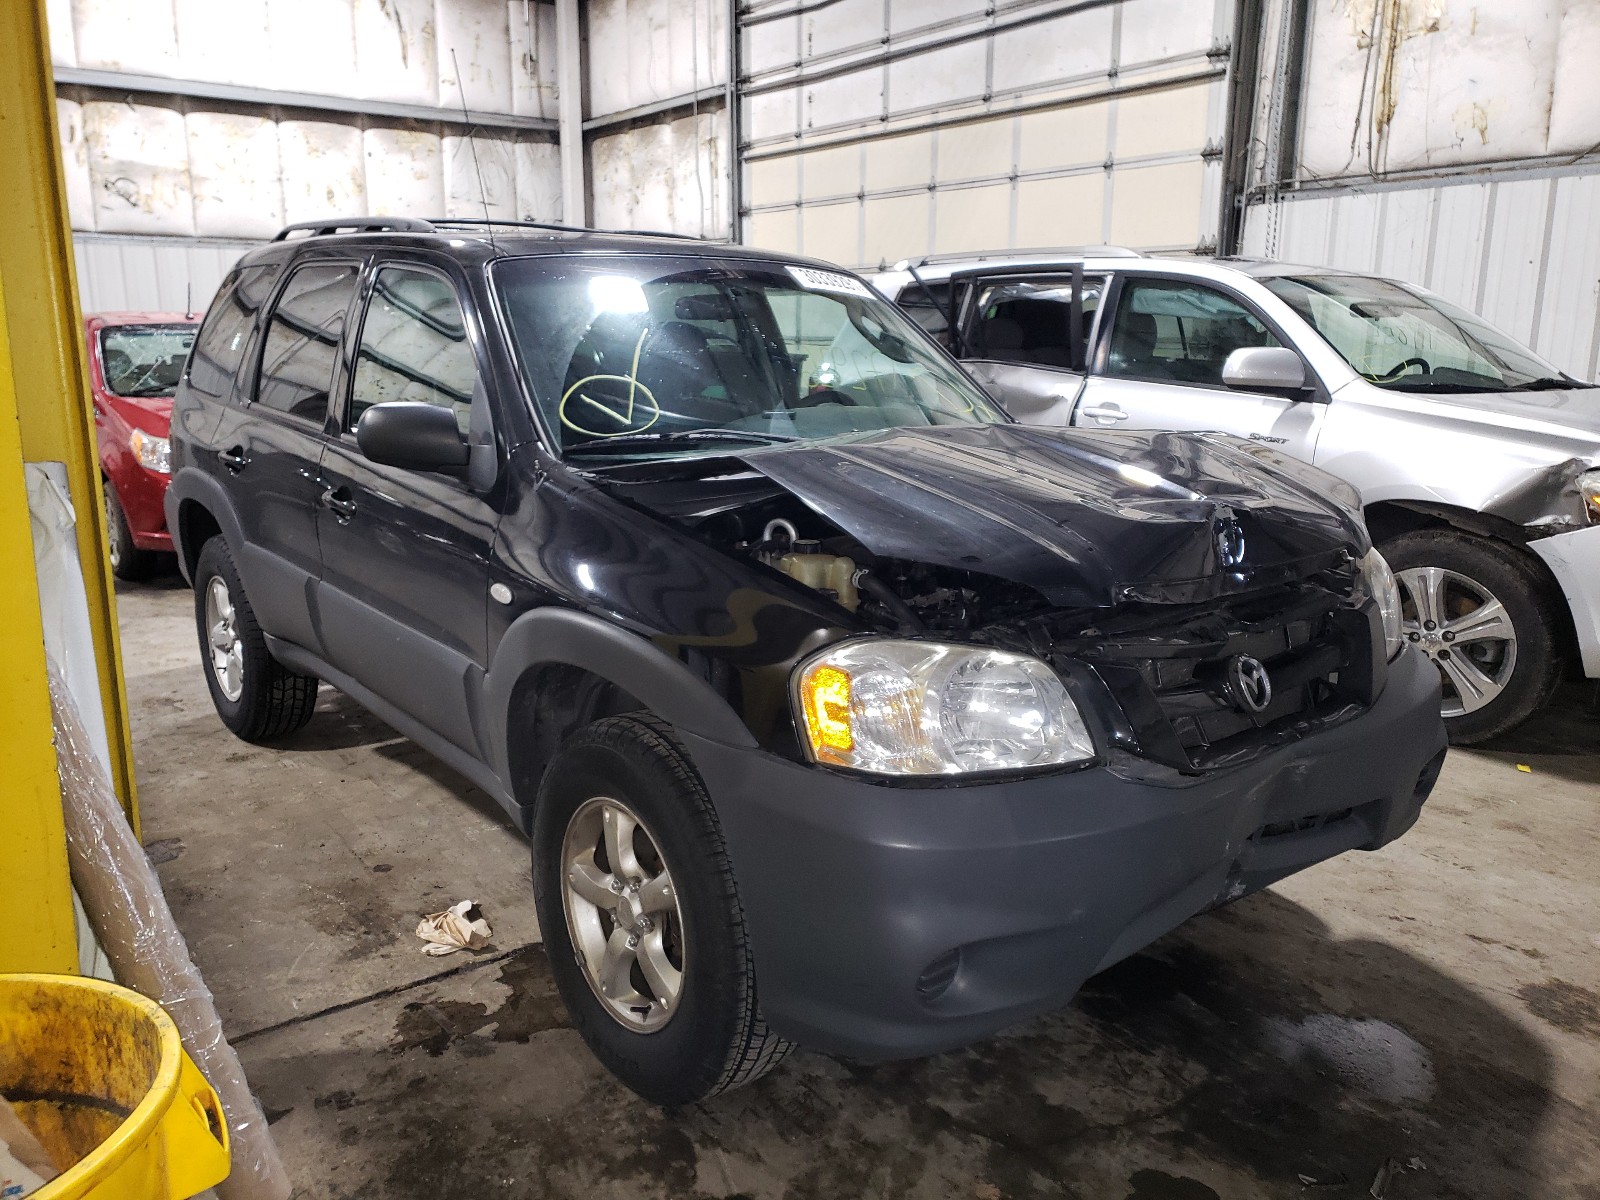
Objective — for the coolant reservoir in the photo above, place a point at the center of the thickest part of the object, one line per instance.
(824, 573)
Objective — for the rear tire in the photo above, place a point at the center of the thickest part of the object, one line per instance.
(256, 696)
(710, 1036)
(1497, 635)
(128, 562)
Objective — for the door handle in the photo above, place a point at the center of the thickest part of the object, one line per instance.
(338, 500)
(234, 458)
(1103, 412)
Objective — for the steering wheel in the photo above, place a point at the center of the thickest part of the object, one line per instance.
(823, 395)
(1427, 369)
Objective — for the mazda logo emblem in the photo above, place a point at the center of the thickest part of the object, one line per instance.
(1230, 542)
(1249, 684)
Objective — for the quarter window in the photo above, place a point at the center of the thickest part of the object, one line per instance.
(1175, 332)
(414, 347)
(225, 335)
(302, 343)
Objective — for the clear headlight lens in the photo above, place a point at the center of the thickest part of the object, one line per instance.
(1589, 489)
(1377, 581)
(154, 453)
(926, 708)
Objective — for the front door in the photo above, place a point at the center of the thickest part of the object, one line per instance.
(1024, 344)
(405, 554)
(1161, 368)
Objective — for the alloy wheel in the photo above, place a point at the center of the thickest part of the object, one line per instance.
(222, 636)
(1465, 629)
(623, 915)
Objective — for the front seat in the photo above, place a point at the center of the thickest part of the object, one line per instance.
(1133, 347)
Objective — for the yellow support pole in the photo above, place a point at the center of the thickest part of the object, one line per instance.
(52, 403)
(41, 932)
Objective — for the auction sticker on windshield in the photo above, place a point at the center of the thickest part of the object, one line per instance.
(828, 281)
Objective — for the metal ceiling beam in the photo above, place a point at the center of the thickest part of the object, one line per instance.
(123, 83)
(710, 97)
(572, 85)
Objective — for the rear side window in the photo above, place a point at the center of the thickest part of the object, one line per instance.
(225, 335)
(929, 308)
(302, 343)
(414, 347)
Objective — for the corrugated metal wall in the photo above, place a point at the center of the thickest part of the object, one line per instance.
(879, 129)
(121, 272)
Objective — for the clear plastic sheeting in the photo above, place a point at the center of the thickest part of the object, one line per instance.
(130, 916)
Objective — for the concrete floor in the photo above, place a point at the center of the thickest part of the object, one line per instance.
(1436, 1003)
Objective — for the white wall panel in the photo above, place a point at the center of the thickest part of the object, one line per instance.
(642, 51)
(646, 177)
(1575, 90)
(1035, 54)
(221, 42)
(538, 166)
(235, 176)
(75, 164)
(324, 170)
(1509, 285)
(396, 50)
(63, 43)
(480, 34)
(312, 46)
(404, 172)
(489, 161)
(138, 168)
(125, 35)
(532, 30)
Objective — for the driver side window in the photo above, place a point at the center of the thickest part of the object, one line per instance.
(414, 347)
(1170, 331)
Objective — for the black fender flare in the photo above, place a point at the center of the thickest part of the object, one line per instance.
(658, 681)
(192, 484)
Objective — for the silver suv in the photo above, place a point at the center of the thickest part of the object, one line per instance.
(1474, 458)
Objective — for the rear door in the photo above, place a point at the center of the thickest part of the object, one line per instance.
(1024, 338)
(268, 450)
(1159, 366)
(405, 554)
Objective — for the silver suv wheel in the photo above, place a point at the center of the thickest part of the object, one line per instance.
(1465, 629)
(623, 915)
(222, 633)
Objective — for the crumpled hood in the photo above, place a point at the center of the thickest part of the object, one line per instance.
(1084, 517)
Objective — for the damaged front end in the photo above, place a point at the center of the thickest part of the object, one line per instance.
(1147, 570)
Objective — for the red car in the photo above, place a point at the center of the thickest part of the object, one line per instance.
(135, 360)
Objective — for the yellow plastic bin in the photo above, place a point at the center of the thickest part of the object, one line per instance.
(98, 1073)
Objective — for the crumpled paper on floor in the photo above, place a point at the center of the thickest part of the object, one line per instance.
(452, 930)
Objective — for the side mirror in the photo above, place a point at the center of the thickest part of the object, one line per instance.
(413, 436)
(1264, 369)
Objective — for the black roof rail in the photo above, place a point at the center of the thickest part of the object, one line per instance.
(507, 222)
(687, 237)
(354, 225)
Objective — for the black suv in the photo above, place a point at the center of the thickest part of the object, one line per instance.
(839, 707)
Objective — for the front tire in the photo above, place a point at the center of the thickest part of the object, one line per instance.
(1488, 618)
(256, 696)
(641, 916)
(128, 563)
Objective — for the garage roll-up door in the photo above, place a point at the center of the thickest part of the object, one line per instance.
(874, 130)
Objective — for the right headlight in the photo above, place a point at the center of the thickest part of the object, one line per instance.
(928, 708)
(1375, 579)
(1589, 489)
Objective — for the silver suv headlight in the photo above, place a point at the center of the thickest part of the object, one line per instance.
(1589, 489)
(1375, 579)
(927, 708)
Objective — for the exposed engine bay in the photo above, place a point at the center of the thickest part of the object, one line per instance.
(893, 595)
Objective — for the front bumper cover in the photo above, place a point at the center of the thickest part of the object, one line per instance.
(891, 922)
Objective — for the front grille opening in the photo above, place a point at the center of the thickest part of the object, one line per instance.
(1305, 824)
(938, 975)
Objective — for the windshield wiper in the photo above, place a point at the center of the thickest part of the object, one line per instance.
(149, 390)
(1548, 383)
(682, 437)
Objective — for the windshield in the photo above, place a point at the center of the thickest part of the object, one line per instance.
(1400, 339)
(637, 356)
(144, 360)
